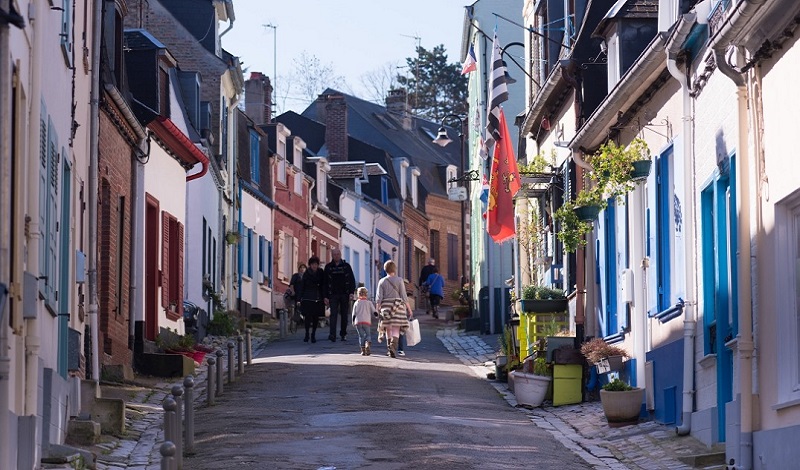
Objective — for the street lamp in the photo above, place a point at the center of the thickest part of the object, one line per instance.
(442, 139)
(509, 78)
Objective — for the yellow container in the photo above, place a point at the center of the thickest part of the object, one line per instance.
(567, 384)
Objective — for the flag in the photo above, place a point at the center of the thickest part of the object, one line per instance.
(470, 64)
(485, 190)
(504, 182)
(483, 151)
(498, 93)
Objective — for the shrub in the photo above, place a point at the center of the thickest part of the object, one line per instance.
(542, 293)
(223, 323)
(597, 349)
(617, 385)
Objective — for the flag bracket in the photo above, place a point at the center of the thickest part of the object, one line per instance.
(471, 175)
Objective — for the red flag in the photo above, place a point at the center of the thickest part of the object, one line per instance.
(504, 182)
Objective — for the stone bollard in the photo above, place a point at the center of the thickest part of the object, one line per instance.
(177, 394)
(231, 377)
(248, 343)
(282, 325)
(167, 456)
(170, 429)
(219, 372)
(240, 355)
(211, 387)
(188, 419)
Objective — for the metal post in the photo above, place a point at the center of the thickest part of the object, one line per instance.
(240, 354)
(167, 455)
(177, 393)
(231, 375)
(219, 372)
(248, 337)
(188, 406)
(170, 430)
(211, 386)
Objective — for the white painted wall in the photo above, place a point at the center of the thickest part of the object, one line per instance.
(361, 264)
(205, 204)
(257, 217)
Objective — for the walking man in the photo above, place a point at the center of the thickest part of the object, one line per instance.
(341, 286)
(424, 291)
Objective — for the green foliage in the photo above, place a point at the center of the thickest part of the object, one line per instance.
(223, 323)
(541, 367)
(617, 385)
(513, 364)
(506, 341)
(435, 87)
(597, 349)
(572, 229)
(542, 293)
(613, 165)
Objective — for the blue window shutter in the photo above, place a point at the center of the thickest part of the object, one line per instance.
(250, 252)
(51, 235)
(43, 161)
(664, 234)
(254, 163)
(269, 262)
(611, 268)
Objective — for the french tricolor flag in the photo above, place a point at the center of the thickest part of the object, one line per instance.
(470, 63)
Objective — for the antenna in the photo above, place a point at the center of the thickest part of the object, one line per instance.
(416, 74)
(274, 65)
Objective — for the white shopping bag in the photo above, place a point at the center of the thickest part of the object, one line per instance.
(413, 336)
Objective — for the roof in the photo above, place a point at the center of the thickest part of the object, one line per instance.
(375, 125)
(348, 170)
(627, 9)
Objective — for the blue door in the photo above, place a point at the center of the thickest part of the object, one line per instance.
(719, 246)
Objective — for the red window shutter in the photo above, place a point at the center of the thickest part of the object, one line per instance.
(165, 259)
(179, 297)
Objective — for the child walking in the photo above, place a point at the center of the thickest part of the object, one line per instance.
(362, 319)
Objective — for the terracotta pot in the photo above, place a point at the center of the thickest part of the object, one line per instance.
(622, 408)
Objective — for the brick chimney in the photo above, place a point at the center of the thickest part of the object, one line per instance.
(258, 98)
(397, 106)
(332, 111)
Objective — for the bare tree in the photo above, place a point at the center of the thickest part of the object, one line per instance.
(378, 82)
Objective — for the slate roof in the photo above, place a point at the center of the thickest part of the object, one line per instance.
(348, 170)
(373, 124)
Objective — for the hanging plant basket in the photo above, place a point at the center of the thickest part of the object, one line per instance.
(232, 238)
(587, 212)
(641, 169)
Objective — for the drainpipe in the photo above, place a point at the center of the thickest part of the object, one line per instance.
(94, 129)
(741, 15)
(689, 322)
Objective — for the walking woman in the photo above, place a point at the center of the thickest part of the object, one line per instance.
(392, 300)
(312, 297)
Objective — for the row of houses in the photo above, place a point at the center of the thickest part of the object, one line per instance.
(694, 270)
(143, 177)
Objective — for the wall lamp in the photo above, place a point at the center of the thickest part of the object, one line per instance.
(509, 78)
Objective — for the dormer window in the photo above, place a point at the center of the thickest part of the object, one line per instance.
(322, 181)
(403, 179)
(384, 189)
(297, 159)
(415, 186)
(282, 135)
(451, 174)
(255, 175)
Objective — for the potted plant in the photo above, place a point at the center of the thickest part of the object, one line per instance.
(232, 237)
(502, 358)
(617, 168)
(589, 202)
(606, 357)
(532, 382)
(622, 403)
(542, 299)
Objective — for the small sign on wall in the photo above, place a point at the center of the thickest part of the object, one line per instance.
(457, 193)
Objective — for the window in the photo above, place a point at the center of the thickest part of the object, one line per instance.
(787, 253)
(323, 255)
(49, 216)
(435, 240)
(384, 189)
(224, 128)
(249, 255)
(254, 160)
(367, 272)
(409, 254)
(347, 253)
(609, 278)
(415, 186)
(281, 160)
(171, 265)
(298, 182)
(356, 266)
(664, 235)
(287, 252)
(452, 257)
(66, 30)
(205, 244)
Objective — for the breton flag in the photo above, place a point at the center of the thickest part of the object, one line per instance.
(470, 64)
(498, 93)
(504, 182)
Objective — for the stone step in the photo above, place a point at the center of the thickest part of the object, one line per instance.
(709, 461)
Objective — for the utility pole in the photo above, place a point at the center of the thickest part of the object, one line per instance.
(418, 40)
(274, 65)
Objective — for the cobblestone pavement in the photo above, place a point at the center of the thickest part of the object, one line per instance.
(582, 427)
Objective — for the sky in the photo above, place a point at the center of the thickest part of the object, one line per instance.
(354, 37)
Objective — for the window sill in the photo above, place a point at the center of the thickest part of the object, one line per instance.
(247, 278)
(265, 288)
(786, 404)
(709, 360)
(172, 315)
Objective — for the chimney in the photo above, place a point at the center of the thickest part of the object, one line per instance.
(258, 98)
(332, 111)
(397, 106)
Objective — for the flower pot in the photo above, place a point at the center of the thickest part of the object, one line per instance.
(543, 306)
(587, 212)
(641, 169)
(530, 389)
(622, 408)
(500, 372)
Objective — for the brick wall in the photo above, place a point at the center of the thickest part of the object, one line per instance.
(114, 239)
(258, 98)
(445, 217)
(416, 225)
(335, 120)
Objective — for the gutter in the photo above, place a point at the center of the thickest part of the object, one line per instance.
(164, 127)
(719, 43)
(537, 106)
(674, 47)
